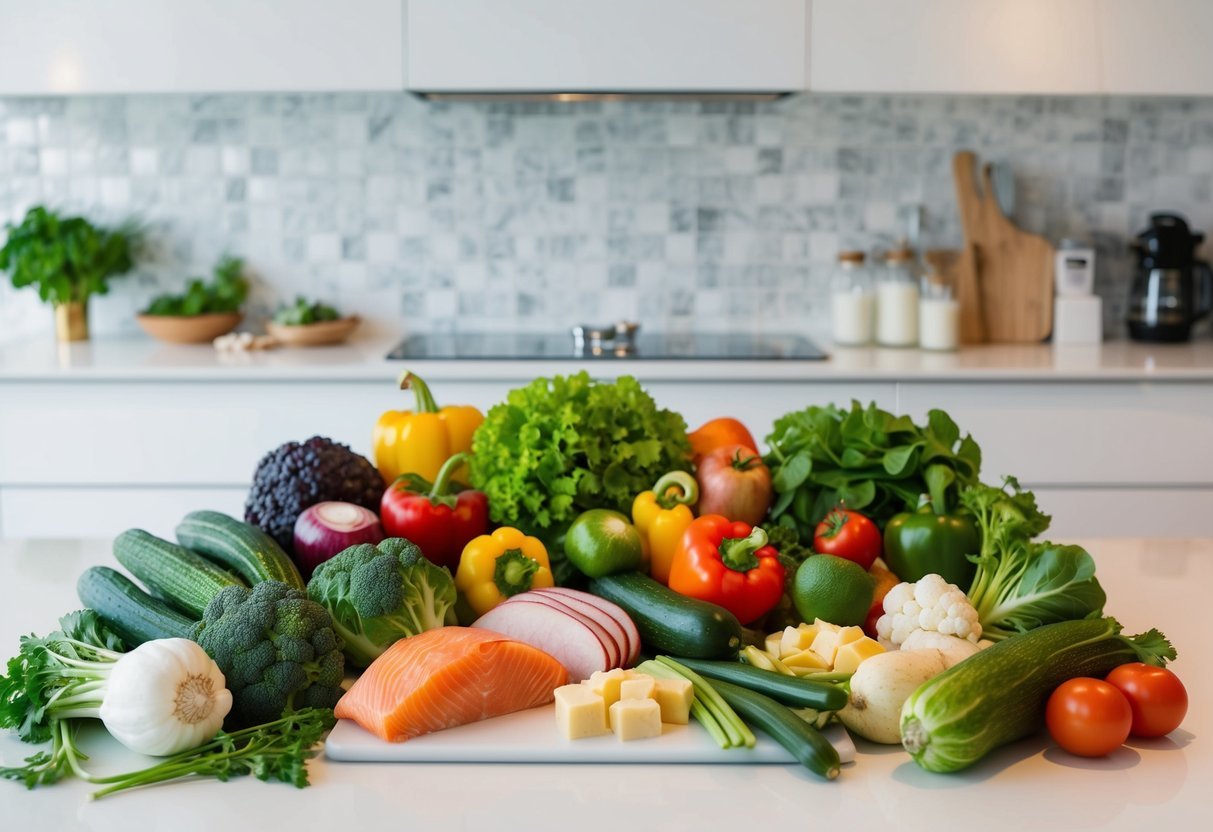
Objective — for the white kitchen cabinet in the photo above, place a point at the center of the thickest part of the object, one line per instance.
(957, 46)
(1081, 434)
(469, 46)
(154, 46)
(1156, 47)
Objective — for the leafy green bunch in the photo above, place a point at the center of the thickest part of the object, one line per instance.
(224, 293)
(560, 446)
(874, 462)
(1021, 584)
(67, 258)
(303, 312)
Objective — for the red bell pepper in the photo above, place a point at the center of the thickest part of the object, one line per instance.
(440, 523)
(729, 564)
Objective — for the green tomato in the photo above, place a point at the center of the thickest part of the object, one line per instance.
(602, 542)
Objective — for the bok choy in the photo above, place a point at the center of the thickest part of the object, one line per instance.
(1021, 584)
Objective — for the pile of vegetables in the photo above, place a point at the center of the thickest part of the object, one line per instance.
(856, 525)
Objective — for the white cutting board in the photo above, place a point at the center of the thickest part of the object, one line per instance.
(532, 737)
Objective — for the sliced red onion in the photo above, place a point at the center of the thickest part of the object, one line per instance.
(325, 529)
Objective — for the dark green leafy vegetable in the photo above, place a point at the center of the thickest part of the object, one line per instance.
(874, 462)
(303, 312)
(1021, 585)
(560, 446)
(226, 291)
(67, 258)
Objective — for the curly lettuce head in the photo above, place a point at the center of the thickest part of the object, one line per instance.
(560, 446)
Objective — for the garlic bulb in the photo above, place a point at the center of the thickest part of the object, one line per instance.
(165, 696)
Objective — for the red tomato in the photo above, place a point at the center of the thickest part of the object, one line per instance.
(1088, 717)
(848, 534)
(735, 482)
(1157, 697)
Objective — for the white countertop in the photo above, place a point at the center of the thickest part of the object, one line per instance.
(137, 358)
(1159, 784)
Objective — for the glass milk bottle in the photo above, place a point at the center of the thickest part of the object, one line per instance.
(851, 301)
(938, 314)
(897, 300)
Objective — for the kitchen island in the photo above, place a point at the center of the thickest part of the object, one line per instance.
(1161, 783)
(1114, 439)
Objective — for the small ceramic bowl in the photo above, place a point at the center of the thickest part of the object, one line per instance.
(189, 329)
(322, 334)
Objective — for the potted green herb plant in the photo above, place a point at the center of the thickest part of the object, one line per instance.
(310, 324)
(204, 311)
(69, 259)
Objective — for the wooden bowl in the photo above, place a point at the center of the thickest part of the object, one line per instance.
(189, 329)
(322, 334)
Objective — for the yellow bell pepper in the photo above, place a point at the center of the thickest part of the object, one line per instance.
(420, 441)
(662, 516)
(495, 566)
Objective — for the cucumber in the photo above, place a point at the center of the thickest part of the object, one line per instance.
(669, 622)
(999, 695)
(241, 547)
(801, 739)
(788, 690)
(128, 610)
(185, 580)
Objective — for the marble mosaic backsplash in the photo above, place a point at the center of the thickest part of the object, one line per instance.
(713, 216)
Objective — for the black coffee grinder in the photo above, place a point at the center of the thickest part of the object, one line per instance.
(1172, 289)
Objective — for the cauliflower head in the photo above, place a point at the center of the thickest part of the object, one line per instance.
(931, 604)
(380, 594)
(277, 650)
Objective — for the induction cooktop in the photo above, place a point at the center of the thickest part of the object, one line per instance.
(643, 347)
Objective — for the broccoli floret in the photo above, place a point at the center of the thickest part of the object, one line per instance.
(297, 475)
(276, 648)
(380, 594)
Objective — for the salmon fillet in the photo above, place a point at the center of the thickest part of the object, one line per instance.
(447, 677)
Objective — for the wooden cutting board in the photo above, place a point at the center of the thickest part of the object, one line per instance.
(1006, 287)
(531, 737)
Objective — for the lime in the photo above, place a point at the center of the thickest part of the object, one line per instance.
(602, 542)
(833, 589)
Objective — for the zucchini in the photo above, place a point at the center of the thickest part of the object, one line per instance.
(801, 739)
(787, 690)
(185, 580)
(241, 547)
(128, 610)
(999, 695)
(669, 622)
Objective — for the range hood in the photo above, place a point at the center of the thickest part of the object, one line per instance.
(585, 50)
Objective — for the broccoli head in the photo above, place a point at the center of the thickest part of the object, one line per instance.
(381, 594)
(276, 648)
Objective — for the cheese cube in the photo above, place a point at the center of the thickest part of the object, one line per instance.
(848, 634)
(854, 653)
(606, 685)
(826, 645)
(674, 697)
(796, 639)
(579, 712)
(825, 625)
(638, 687)
(771, 644)
(636, 719)
(806, 659)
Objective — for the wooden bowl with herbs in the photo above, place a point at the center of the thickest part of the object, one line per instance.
(306, 324)
(204, 311)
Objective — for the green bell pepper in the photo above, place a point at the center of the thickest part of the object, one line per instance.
(922, 542)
